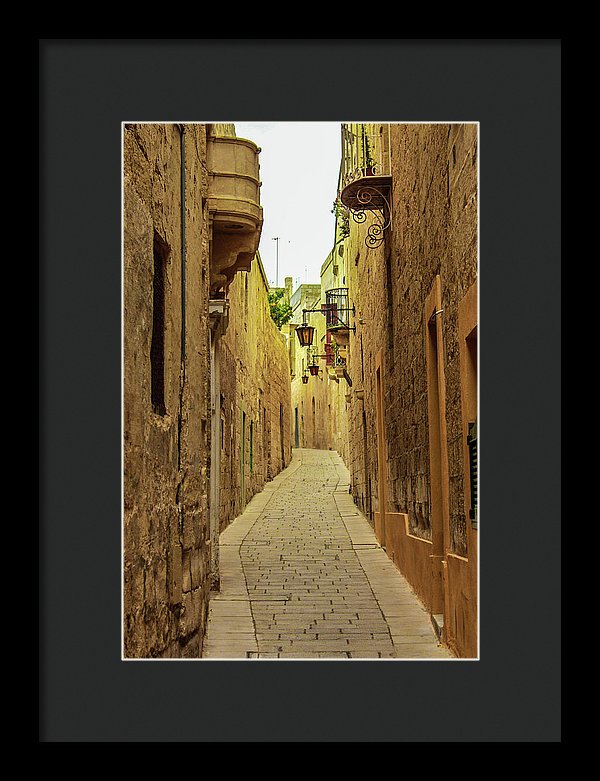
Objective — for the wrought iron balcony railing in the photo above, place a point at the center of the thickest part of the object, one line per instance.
(364, 153)
(339, 360)
(337, 310)
(366, 177)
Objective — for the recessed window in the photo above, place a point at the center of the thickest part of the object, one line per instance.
(157, 345)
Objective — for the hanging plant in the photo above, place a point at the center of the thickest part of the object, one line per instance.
(342, 218)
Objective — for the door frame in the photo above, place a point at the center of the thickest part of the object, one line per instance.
(381, 449)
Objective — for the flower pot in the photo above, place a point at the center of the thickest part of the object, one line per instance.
(360, 393)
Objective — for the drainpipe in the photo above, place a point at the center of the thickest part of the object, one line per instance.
(215, 457)
(218, 317)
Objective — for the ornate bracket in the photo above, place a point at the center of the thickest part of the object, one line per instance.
(371, 192)
(375, 200)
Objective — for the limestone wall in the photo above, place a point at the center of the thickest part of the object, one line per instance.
(167, 392)
(255, 395)
(432, 236)
(165, 451)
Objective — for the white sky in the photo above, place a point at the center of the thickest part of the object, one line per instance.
(299, 167)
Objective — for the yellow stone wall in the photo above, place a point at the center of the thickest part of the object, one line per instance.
(165, 513)
(166, 451)
(255, 393)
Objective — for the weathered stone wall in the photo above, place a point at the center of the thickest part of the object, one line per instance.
(433, 231)
(459, 272)
(255, 394)
(166, 557)
(367, 284)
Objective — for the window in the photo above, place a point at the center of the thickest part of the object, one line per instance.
(157, 345)
(467, 337)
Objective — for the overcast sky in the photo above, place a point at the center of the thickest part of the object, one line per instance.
(299, 167)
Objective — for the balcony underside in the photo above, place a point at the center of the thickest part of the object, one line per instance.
(341, 335)
(367, 193)
(234, 207)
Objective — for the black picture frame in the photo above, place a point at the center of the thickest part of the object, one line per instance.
(87, 88)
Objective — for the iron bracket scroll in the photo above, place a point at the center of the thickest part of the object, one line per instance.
(373, 199)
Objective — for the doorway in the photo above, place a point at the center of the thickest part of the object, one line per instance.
(381, 450)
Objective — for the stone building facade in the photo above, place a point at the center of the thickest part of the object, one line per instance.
(405, 262)
(318, 400)
(191, 225)
(412, 261)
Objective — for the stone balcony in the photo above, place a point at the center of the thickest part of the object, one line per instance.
(234, 207)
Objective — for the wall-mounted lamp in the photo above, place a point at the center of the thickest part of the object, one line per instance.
(305, 334)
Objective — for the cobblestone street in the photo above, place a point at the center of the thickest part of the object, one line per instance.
(303, 576)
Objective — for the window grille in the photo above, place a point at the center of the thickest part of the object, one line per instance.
(472, 445)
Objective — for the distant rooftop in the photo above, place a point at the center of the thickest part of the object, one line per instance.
(305, 295)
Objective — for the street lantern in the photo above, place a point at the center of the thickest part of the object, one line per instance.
(314, 369)
(305, 378)
(305, 334)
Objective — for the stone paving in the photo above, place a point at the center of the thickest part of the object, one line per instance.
(303, 577)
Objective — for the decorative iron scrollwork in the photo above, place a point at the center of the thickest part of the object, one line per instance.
(374, 235)
(373, 199)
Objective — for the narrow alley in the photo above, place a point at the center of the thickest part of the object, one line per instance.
(303, 576)
(300, 423)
